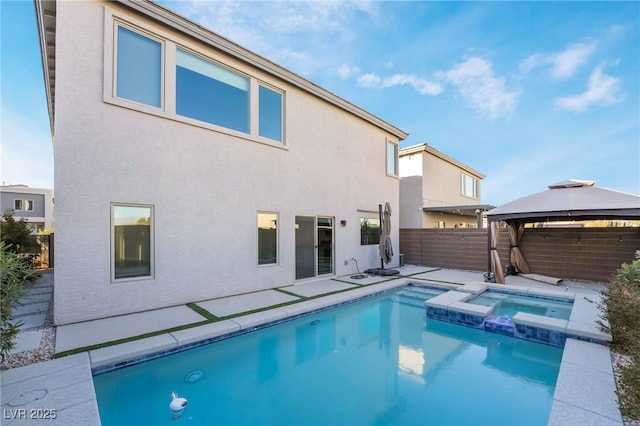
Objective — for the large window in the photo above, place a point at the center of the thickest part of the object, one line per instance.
(469, 186)
(139, 68)
(267, 238)
(369, 231)
(132, 238)
(392, 159)
(270, 113)
(208, 92)
(191, 83)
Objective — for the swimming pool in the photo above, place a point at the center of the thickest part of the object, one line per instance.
(377, 361)
(508, 304)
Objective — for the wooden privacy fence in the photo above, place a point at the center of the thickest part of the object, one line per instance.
(591, 254)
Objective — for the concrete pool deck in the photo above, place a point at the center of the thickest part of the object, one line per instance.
(585, 390)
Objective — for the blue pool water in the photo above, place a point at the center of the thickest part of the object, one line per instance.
(374, 362)
(508, 305)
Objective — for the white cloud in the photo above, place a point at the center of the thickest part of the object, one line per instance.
(369, 81)
(294, 34)
(602, 90)
(419, 84)
(346, 71)
(563, 64)
(475, 80)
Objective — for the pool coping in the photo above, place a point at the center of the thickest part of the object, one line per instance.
(454, 307)
(578, 399)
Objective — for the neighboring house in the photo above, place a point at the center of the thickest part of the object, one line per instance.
(437, 191)
(189, 168)
(34, 205)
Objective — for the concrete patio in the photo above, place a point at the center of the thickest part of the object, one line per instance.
(585, 391)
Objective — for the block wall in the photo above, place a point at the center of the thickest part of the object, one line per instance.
(590, 254)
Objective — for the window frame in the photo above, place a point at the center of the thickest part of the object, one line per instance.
(249, 106)
(170, 44)
(277, 242)
(463, 186)
(15, 205)
(376, 219)
(114, 60)
(260, 85)
(112, 253)
(394, 173)
(28, 205)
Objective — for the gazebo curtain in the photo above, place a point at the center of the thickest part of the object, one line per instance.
(496, 266)
(516, 230)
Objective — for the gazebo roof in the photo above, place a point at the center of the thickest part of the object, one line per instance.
(570, 200)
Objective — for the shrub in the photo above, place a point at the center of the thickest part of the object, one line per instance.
(620, 309)
(16, 270)
(15, 233)
(621, 306)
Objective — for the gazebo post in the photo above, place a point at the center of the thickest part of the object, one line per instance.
(489, 245)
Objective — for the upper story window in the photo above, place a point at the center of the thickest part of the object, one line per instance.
(148, 71)
(23, 205)
(392, 158)
(138, 68)
(270, 113)
(469, 186)
(208, 92)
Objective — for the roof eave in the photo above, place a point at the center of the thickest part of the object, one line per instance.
(629, 214)
(45, 11)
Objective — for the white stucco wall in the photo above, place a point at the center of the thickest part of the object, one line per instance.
(427, 180)
(206, 186)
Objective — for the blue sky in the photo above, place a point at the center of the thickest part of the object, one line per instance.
(527, 93)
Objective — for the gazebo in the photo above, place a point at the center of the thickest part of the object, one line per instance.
(568, 200)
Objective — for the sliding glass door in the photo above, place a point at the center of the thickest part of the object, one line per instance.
(314, 246)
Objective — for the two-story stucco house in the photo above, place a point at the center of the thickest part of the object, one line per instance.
(438, 191)
(34, 205)
(188, 167)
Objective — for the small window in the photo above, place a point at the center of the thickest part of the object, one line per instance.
(132, 237)
(138, 68)
(469, 186)
(28, 205)
(18, 205)
(267, 238)
(392, 159)
(369, 231)
(270, 114)
(208, 92)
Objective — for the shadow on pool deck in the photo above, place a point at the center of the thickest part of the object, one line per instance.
(585, 391)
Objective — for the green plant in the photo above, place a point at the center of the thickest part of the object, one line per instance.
(15, 233)
(630, 392)
(620, 306)
(620, 309)
(16, 270)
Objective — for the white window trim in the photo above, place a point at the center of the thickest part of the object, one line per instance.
(277, 262)
(168, 110)
(396, 159)
(21, 205)
(256, 104)
(152, 254)
(476, 183)
(111, 58)
(27, 203)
